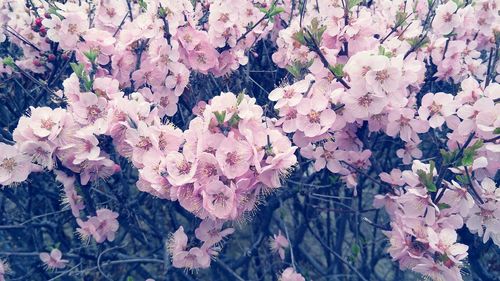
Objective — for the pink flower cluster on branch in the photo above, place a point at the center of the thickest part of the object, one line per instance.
(362, 73)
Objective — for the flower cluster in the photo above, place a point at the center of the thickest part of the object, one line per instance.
(423, 235)
(150, 48)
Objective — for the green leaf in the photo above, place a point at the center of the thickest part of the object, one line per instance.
(233, 121)
(299, 37)
(338, 69)
(91, 55)
(417, 42)
(294, 71)
(9, 61)
(496, 131)
(220, 116)
(275, 11)
(462, 179)
(443, 206)
(353, 3)
(401, 18)
(143, 4)
(427, 179)
(78, 69)
(240, 97)
(470, 153)
(431, 187)
(468, 158)
(355, 249)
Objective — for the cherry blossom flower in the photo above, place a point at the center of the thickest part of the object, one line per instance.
(446, 18)
(290, 95)
(278, 244)
(314, 117)
(436, 107)
(14, 167)
(53, 259)
(233, 157)
(290, 274)
(219, 200)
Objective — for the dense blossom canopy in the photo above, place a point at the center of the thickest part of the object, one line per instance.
(357, 71)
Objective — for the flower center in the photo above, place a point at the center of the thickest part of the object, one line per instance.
(365, 101)
(314, 116)
(232, 158)
(144, 143)
(72, 28)
(93, 113)
(202, 58)
(381, 76)
(9, 164)
(291, 114)
(47, 124)
(435, 108)
(184, 167)
(288, 93)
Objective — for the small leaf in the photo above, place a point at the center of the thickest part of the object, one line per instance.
(276, 11)
(233, 121)
(355, 250)
(240, 97)
(78, 69)
(400, 18)
(431, 187)
(299, 37)
(91, 55)
(143, 4)
(443, 206)
(468, 159)
(353, 3)
(9, 61)
(338, 69)
(496, 131)
(220, 116)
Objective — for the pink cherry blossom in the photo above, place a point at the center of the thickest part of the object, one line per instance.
(278, 244)
(53, 260)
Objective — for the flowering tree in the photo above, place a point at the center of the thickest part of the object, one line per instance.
(249, 140)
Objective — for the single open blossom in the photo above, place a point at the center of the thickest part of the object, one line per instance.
(180, 170)
(278, 244)
(101, 227)
(290, 95)
(437, 271)
(484, 219)
(193, 258)
(444, 242)
(436, 107)
(233, 157)
(14, 166)
(446, 18)
(402, 122)
(46, 123)
(364, 104)
(72, 28)
(314, 117)
(290, 274)
(382, 77)
(53, 260)
(219, 200)
(211, 232)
